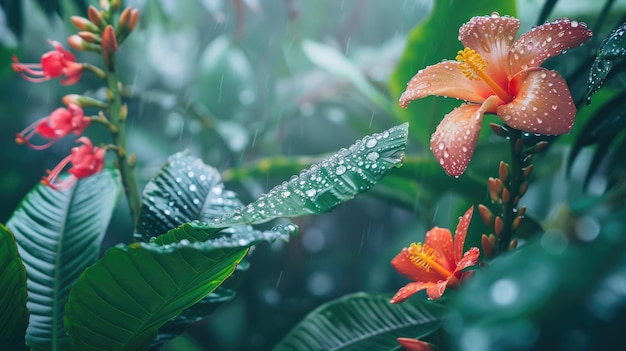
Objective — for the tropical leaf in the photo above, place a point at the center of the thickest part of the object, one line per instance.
(59, 234)
(324, 186)
(432, 41)
(121, 301)
(611, 52)
(363, 322)
(13, 311)
(185, 190)
(336, 63)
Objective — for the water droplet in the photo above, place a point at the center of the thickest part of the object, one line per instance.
(190, 174)
(441, 146)
(311, 192)
(340, 170)
(193, 187)
(178, 179)
(285, 194)
(373, 156)
(371, 142)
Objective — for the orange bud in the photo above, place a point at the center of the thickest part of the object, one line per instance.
(109, 42)
(540, 146)
(487, 245)
(134, 18)
(516, 223)
(498, 225)
(513, 244)
(528, 170)
(83, 24)
(503, 171)
(522, 211)
(123, 112)
(95, 17)
(505, 195)
(499, 129)
(132, 159)
(486, 215)
(495, 189)
(83, 101)
(78, 43)
(89, 37)
(518, 145)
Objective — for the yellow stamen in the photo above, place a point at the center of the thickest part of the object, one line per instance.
(473, 67)
(425, 257)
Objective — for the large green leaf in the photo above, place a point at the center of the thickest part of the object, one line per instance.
(185, 190)
(331, 182)
(363, 322)
(120, 302)
(13, 311)
(432, 41)
(59, 234)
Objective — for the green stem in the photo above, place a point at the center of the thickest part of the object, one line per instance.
(512, 184)
(117, 119)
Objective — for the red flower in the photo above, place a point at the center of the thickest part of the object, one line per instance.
(58, 124)
(86, 160)
(436, 264)
(414, 344)
(54, 64)
(496, 74)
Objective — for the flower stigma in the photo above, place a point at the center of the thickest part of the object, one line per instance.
(425, 257)
(473, 66)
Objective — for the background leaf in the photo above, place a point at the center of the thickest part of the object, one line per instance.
(120, 302)
(363, 322)
(58, 235)
(13, 311)
(325, 185)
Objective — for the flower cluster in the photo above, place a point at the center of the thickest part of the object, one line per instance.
(496, 74)
(95, 34)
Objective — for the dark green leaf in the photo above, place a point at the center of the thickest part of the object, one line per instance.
(13, 311)
(612, 51)
(120, 302)
(13, 14)
(430, 42)
(58, 235)
(325, 185)
(185, 190)
(363, 322)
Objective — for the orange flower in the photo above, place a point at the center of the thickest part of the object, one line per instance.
(496, 74)
(86, 161)
(54, 64)
(436, 264)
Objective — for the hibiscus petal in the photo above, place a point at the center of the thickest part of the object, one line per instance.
(403, 264)
(444, 79)
(545, 41)
(440, 239)
(455, 139)
(411, 288)
(459, 234)
(435, 291)
(543, 103)
(469, 259)
(491, 37)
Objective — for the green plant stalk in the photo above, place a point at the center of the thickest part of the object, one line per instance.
(513, 186)
(127, 173)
